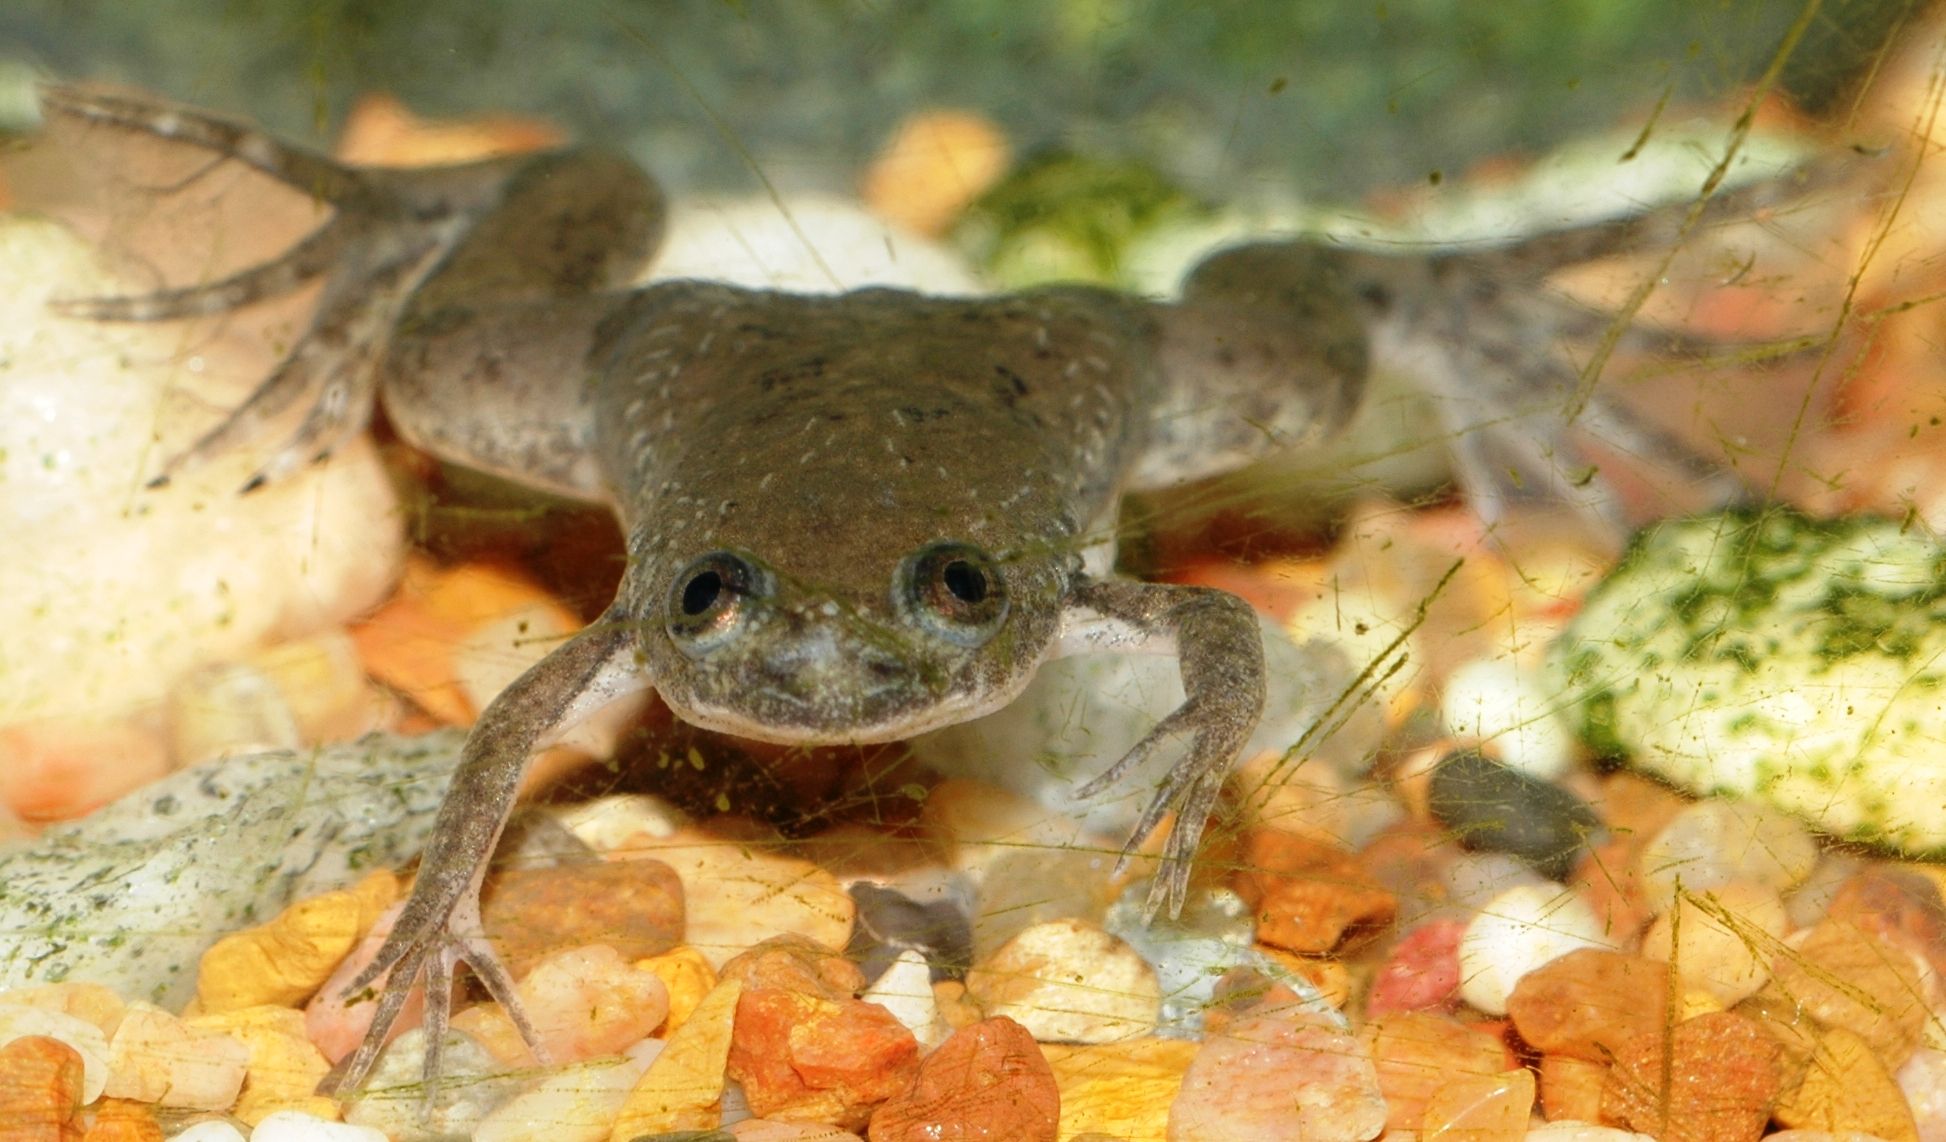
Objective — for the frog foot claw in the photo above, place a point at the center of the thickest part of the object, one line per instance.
(1219, 650)
(386, 232)
(425, 949)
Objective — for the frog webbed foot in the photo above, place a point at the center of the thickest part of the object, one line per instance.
(383, 235)
(1485, 339)
(1219, 651)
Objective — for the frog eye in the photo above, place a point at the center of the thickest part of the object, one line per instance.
(710, 599)
(954, 589)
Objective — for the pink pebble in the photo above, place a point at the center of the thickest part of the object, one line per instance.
(1280, 1076)
(336, 1028)
(1421, 973)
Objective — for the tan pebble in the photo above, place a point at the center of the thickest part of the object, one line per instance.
(1708, 1079)
(954, 1007)
(1583, 1132)
(588, 1002)
(40, 1090)
(1480, 1108)
(687, 975)
(1068, 982)
(87, 1001)
(986, 1081)
(1845, 977)
(83, 1037)
(768, 1130)
(285, 961)
(1589, 1002)
(1721, 940)
(1571, 1088)
(119, 1120)
(683, 1087)
(1121, 1090)
(283, 1068)
(324, 684)
(934, 165)
(156, 1057)
(227, 709)
(739, 895)
(635, 907)
(1847, 1088)
(1416, 1052)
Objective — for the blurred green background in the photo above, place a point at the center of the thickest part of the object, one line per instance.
(1323, 99)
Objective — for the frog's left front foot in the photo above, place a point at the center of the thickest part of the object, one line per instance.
(1219, 651)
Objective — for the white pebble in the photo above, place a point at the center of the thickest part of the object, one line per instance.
(1068, 982)
(1499, 704)
(1716, 841)
(18, 1022)
(210, 1130)
(296, 1126)
(577, 1103)
(1518, 931)
(1568, 1130)
(906, 991)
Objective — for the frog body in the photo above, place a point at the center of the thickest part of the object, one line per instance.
(849, 518)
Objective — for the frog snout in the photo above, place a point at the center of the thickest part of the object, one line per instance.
(818, 662)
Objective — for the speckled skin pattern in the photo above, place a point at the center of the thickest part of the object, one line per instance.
(849, 518)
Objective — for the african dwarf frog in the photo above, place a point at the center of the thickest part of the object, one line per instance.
(849, 518)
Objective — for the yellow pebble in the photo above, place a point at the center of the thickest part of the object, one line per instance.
(683, 1088)
(1847, 1088)
(1122, 1089)
(284, 1068)
(284, 961)
(687, 975)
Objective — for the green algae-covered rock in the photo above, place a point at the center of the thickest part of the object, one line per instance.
(1768, 655)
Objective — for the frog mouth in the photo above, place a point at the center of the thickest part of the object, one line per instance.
(793, 715)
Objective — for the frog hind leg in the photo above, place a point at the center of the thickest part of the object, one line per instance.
(399, 245)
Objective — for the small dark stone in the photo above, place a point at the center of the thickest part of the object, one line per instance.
(890, 922)
(1492, 808)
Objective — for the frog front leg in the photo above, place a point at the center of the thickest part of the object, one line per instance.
(1220, 656)
(440, 926)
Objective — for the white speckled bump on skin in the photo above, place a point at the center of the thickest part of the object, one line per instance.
(217, 574)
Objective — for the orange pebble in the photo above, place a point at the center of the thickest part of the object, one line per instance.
(40, 1090)
(933, 167)
(408, 643)
(119, 1120)
(381, 131)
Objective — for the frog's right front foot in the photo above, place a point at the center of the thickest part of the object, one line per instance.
(436, 933)
(386, 231)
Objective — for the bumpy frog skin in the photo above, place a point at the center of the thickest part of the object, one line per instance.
(848, 518)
